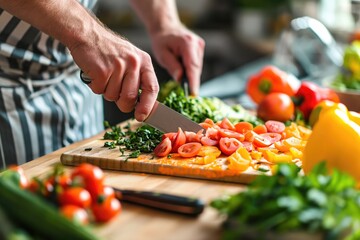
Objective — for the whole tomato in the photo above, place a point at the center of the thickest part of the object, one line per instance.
(276, 106)
(77, 196)
(75, 213)
(89, 176)
(105, 208)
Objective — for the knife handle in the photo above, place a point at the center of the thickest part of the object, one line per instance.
(163, 201)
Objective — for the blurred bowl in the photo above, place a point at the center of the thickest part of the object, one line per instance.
(350, 98)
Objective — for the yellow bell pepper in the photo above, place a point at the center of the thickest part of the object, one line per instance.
(335, 139)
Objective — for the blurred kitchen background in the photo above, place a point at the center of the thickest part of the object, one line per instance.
(304, 37)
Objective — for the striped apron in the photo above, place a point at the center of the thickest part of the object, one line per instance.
(43, 104)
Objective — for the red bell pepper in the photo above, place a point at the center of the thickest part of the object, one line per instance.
(270, 79)
(309, 95)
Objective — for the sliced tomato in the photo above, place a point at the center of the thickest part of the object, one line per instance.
(229, 145)
(260, 141)
(193, 137)
(243, 127)
(248, 146)
(212, 133)
(206, 141)
(179, 140)
(170, 135)
(271, 136)
(208, 123)
(231, 134)
(260, 129)
(163, 148)
(275, 126)
(190, 149)
(226, 124)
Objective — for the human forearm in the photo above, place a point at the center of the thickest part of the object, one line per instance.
(157, 15)
(54, 18)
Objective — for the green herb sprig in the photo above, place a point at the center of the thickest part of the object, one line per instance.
(289, 201)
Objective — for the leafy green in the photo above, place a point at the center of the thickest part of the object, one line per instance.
(142, 140)
(200, 108)
(289, 201)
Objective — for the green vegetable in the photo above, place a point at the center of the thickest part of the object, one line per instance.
(289, 201)
(200, 108)
(142, 140)
(36, 215)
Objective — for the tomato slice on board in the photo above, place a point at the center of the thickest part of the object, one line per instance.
(226, 124)
(229, 145)
(179, 140)
(275, 126)
(260, 129)
(170, 135)
(260, 141)
(248, 145)
(163, 148)
(206, 141)
(271, 136)
(194, 137)
(231, 134)
(243, 127)
(190, 149)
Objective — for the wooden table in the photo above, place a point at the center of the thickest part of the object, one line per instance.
(137, 222)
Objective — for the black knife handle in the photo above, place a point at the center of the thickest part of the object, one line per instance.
(163, 201)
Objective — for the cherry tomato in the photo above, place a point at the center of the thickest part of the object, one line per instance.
(77, 196)
(231, 134)
(193, 137)
(206, 141)
(170, 135)
(23, 181)
(275, 126)
(260, 129)
(226, 124)
(260, 141)
(190, 149)
(63, 180)
(276, 106)
(107, 192)
(179, 140)
(75, 213)
(163, 148)
(229, 145)
(89, 176)
(248, 146)
(106, 208)
(271, 136)
(243, 127)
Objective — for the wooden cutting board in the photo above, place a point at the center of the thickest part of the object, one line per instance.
(112, 159)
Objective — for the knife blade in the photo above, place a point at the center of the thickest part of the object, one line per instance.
(168, 120)
(171, 203)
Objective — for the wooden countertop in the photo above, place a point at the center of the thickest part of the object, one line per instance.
(138, 222)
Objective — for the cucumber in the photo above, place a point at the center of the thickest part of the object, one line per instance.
(38, 215)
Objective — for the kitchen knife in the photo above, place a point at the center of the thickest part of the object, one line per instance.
(168, 120)
(162, 201)
(162, 117)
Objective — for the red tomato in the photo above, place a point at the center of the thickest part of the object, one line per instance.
(77, 196)
(260, 141)
(243, 127)
(107, 192)
(260, 129)
(63, 180)
(248, 145)
(275, 126)
(229, 145)
(272, 137)
(89, 176)
(179, 140)
(193, 137)
(163, 148)
(23, 181)
(212, 133)
(44, 188)
(190, 149)
(208, 123)
(226, 124)
(206, 141)
(75, 213)
(106, 208)
(170, 135)
(276, 106)
(231, 134)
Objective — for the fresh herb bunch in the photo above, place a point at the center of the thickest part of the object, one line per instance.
(200, 108)
(289, 201)
(142, 140)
